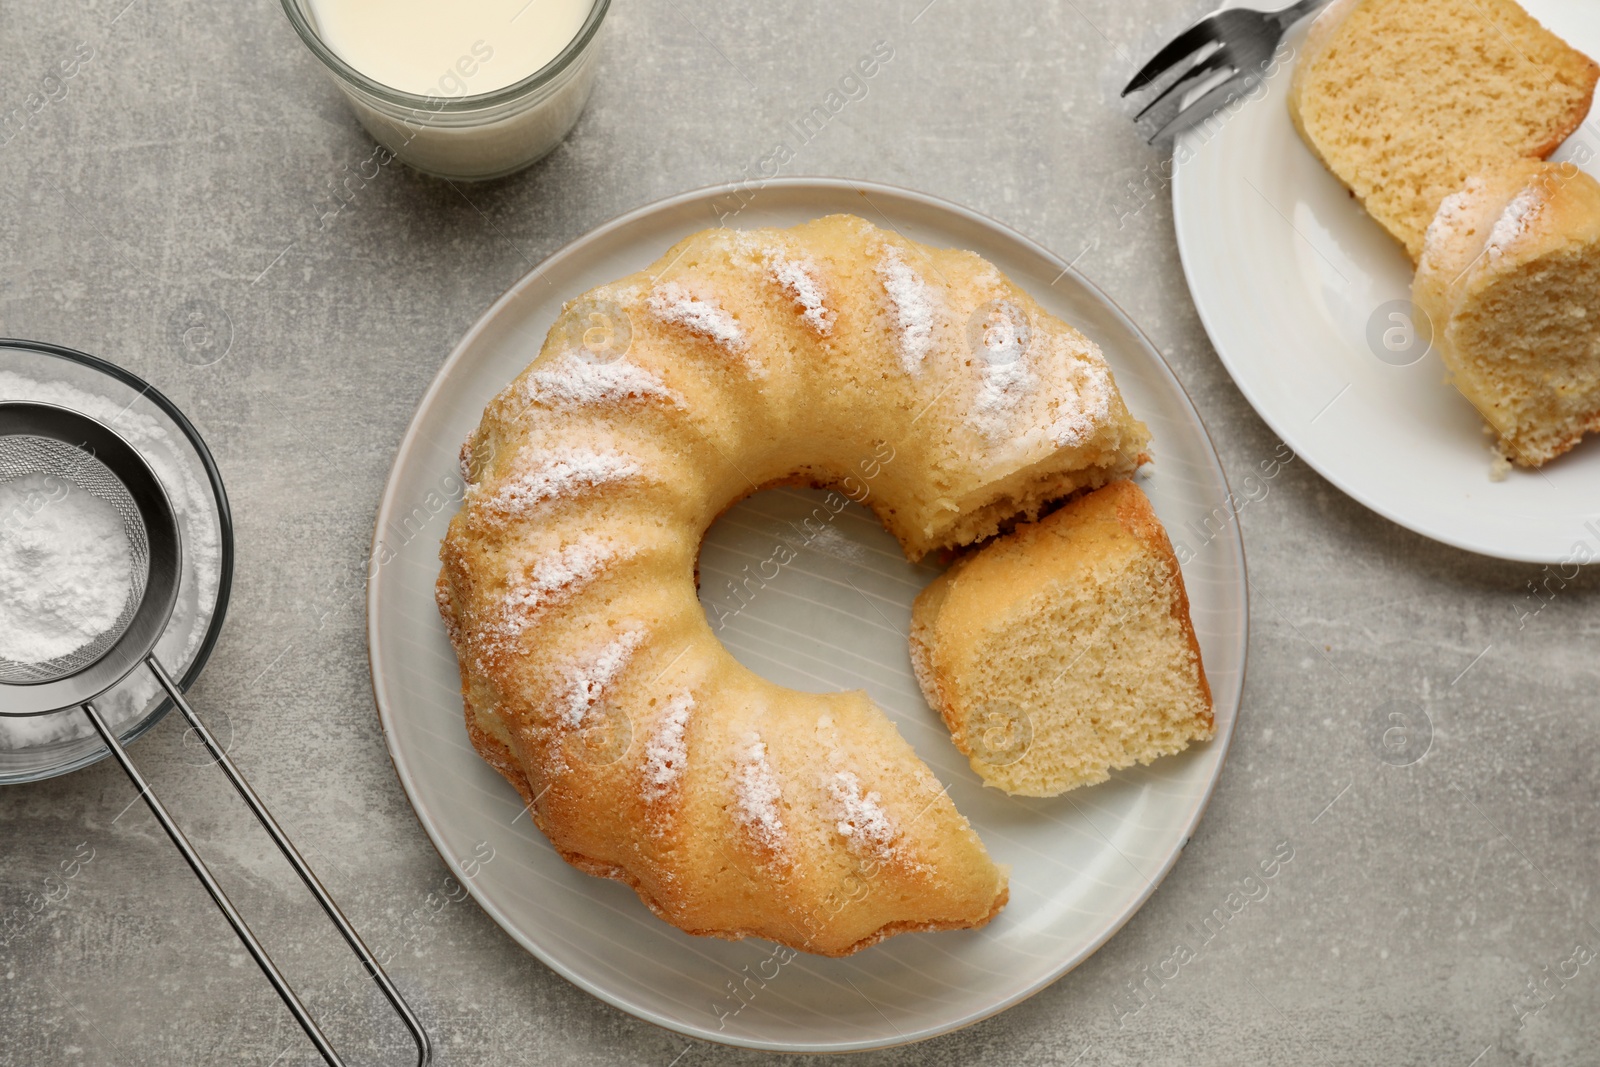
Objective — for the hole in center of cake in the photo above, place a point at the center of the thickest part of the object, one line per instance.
(807, 589)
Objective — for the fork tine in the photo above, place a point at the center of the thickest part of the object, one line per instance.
(1218, 60)
(1182, 46)
(1202, 108)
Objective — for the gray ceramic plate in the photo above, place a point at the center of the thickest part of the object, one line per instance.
(836, 619)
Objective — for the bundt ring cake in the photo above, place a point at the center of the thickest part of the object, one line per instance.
(831, 354)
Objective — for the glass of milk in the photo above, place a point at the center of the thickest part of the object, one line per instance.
(469, 89)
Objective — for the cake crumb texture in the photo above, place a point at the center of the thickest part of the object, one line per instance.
(1064, 650)
(1405, 99)
(1512, 288)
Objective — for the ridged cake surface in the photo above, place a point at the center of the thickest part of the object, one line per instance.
(919, 381)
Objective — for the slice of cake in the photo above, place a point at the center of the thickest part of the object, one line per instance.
(1404, 99)
(1510, 278)
(1064, 650)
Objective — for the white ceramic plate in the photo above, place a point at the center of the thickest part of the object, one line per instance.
(836, 619)
(1290, 275)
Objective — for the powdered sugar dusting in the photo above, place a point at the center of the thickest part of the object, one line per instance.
(1084, 406)
(757, 793)
(1002, 388)
(666, 753)
(915, 308)
(675, 304)
(1005, 334)
(66, 568)
(588, 680)
(828, 540)
(551, 580)
(1454, 218)
(1005, 379)
(1514, 221)
(563, 472)
(570, 379)
(859, 816)
(796, 276)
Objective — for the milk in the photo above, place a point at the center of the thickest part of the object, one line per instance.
(449, 87)
(450, 49)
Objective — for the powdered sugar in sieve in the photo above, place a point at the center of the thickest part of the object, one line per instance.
(194, 505)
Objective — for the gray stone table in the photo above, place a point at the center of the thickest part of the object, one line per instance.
(186, 166)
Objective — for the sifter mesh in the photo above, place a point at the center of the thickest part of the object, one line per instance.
(22, 455)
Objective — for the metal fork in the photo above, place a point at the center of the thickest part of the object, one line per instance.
(1245, 42)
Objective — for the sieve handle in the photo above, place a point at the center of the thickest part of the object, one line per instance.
(292, 854)
(279, 984)
(202, 872)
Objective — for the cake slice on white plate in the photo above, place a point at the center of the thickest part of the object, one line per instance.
(1510, 278)
(1404, 99)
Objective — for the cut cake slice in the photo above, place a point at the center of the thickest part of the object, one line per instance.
(1404, 99)
(1510, 281)
(1064, 650)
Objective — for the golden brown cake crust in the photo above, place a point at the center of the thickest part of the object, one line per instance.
(500, 758)
(918, 382)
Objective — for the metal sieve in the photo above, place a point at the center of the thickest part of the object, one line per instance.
(72, 449)
(91, 669)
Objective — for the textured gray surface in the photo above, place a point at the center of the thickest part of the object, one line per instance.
(184, 169)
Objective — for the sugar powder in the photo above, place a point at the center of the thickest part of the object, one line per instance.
(66, 568)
